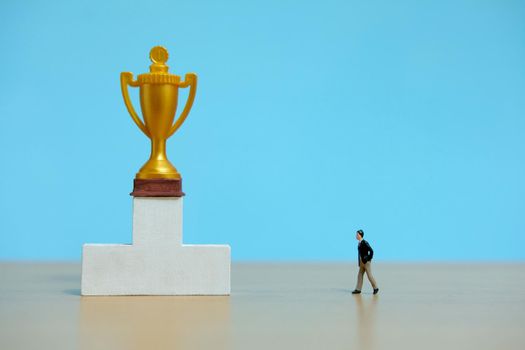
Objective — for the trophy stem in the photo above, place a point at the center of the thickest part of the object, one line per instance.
(158, 149)
(158, 166)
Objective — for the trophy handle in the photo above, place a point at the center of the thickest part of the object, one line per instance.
(126, 79)
(189, 80)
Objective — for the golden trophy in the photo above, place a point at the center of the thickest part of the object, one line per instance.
(158, 101)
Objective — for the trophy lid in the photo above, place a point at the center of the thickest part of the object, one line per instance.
(158, 69)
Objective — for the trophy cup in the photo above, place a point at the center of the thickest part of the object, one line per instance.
(158, 100)
(157, 263)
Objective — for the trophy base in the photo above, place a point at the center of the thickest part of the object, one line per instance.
(158, 169)
(157, 188)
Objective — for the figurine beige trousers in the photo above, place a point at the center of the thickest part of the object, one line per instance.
(368, 269)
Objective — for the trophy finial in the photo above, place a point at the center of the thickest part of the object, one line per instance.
(158, 55)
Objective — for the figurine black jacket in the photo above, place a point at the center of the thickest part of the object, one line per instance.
(365, 252)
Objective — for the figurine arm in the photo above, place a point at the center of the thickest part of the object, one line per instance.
(369, 253)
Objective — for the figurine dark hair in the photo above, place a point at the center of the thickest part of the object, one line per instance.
(361, 233)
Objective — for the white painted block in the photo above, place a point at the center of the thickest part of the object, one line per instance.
(157, 263)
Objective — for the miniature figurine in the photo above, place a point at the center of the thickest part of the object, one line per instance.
(364, 259)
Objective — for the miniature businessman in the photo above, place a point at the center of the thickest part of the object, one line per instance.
(365, 255)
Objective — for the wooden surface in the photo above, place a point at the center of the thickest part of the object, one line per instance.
(274, 306)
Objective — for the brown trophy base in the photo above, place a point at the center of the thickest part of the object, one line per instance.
(157, 188)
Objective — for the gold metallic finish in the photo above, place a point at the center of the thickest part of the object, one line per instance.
(159, 92)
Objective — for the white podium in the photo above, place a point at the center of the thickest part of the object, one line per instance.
(157, 263)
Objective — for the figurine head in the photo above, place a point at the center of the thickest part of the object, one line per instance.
(359, 235)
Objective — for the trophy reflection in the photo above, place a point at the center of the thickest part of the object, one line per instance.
(158, 101)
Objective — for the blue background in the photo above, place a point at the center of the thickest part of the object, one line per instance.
(312, 119)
